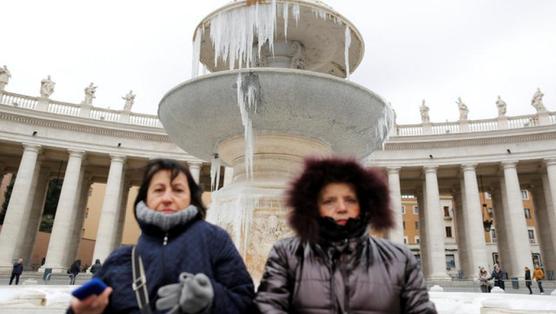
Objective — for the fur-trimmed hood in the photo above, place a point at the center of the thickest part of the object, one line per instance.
(370, 185)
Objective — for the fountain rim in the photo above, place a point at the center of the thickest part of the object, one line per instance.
(272, 70)
(236, 4)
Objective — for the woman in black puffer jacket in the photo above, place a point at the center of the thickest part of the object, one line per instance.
(333, 265)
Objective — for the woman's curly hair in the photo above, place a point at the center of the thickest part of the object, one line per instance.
(370, 186)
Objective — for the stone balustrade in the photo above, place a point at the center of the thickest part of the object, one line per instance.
(148, 120)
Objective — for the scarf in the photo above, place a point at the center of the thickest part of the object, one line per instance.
(164, 222)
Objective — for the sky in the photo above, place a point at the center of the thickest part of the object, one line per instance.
(437, 50)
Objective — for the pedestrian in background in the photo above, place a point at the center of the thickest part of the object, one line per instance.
(498, 275)
(528, 279)
(96, 266)
(16, 271)
(74, 270)
(538, 275)
(483, 278)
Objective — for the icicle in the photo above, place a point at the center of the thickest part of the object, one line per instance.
(214, 173)
(347, 44)
(248, 95)
(285, 12)
(318, 12)
(196, 52)
(233, 33)
(296, 12)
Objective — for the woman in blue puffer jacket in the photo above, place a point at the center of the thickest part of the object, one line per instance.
(190, 265)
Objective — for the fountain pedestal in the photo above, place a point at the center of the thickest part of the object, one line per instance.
(252, 210)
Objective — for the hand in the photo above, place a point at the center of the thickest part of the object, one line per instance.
(197, 294)
(94, 304)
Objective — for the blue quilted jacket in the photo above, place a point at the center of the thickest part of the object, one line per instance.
(197, 247)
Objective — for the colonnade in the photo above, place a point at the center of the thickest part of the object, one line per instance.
(513, 241)
(25, 209)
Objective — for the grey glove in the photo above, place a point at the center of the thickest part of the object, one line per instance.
(193, 294)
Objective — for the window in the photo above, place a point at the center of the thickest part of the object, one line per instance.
(417, 240)
(488, 196)
(524, 194)
(450, 261)
(446, 211)
(536, 258)
(531, 235)
(527, 213)
(416, 210)
(490, 212)
(403, 209)
(403, 225)
(404, 240)
(448, 232)
(416, 225)
(492, 235)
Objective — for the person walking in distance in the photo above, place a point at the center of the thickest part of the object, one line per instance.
(538, 275)
(528, 279)
(16, 271)
(483, 278)
(74, 270)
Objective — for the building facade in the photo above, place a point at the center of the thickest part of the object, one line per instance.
(449, 183)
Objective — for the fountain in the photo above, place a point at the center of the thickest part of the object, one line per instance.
(277, 91)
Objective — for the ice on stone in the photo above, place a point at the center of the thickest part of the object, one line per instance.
(347, 44)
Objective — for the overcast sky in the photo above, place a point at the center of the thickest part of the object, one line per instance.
(436, 50)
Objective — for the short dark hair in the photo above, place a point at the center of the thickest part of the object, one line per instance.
(369, 184)
(175, 169)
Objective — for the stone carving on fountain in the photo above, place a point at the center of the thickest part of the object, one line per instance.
(277, 93)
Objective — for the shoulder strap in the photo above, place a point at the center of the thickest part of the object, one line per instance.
(139, 284)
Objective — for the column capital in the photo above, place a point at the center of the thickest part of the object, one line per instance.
(550, 161)
(117, 158)
(393, 170)
(508, 164)
(195, 164)
(32, 147)
(468, 166)
(76, 153)
(430, 168)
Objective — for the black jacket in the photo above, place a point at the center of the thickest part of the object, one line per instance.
(361, 275)
(18, 268)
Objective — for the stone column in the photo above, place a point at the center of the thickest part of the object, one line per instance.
(499, 202)
(17, 215)
(121, 215)
(110, 209)
(195, 169)
(80, 209)
(35, 216)
(459, 222)
(228, 176)
(59, 246)
(421, 203)
(545, 221)
(434, 227)
(396, 234)
(549, 187)
(520, 249)
(473, 220)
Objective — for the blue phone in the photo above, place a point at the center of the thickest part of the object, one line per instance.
(93, 286)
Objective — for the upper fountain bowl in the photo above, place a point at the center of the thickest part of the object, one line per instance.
(237, 36)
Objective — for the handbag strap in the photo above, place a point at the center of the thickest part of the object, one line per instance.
(139, 284)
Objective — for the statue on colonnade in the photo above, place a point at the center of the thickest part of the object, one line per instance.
(47, 87)
(424, 113)
(537, 102)
(90, 94)
(4, 77)
(463, 110)
(501, 105)
(129, 100)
